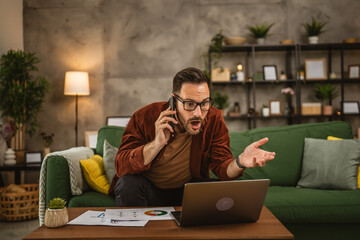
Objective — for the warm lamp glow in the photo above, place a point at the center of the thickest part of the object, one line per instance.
(76, 83)
(239, 67)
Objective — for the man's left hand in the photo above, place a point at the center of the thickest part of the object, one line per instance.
(253, 156)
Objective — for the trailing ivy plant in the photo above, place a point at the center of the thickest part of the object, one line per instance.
(21, 93)
(216, 46)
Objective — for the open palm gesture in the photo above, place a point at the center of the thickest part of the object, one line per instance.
(253, 156)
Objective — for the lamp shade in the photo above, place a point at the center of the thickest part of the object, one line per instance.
(76, 83)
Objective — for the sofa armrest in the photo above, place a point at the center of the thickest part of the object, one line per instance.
(57, 179)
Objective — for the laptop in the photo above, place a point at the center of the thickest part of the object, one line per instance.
(223, 202)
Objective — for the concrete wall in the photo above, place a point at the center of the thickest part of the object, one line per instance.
(133, 48)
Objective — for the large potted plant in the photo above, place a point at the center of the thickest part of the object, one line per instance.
(221, 101)
(326, 93)
(260, 32)
(21, 93)
(314, 30)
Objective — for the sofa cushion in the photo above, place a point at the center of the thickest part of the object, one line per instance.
(94, 173)
(109, 160)
(113, 134)
(92, 199)
(305, 205)
(330, 164)
(288, 143)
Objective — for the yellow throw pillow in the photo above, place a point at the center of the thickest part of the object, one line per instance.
(94, 173)
(336, 138)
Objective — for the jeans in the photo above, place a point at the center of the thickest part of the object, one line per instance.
(137, 191)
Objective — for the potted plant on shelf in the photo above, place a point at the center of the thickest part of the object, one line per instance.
(21, 93)
(56, 214)
(323, 93)
(314, 30)
(216, 46)
(221, 101)
(260, 32)
(48, 140)
(7, 131)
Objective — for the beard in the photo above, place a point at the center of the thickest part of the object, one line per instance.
(191, 126)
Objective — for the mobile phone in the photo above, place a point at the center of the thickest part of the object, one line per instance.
(172, 107)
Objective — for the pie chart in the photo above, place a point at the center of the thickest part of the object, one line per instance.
(155, 213)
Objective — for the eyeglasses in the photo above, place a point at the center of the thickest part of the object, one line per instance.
(192, 105)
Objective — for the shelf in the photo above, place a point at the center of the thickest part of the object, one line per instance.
(290, 47)
(292, 54)
(251, 83)
(244, 117)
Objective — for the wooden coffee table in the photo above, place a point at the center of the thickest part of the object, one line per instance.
(267, 227)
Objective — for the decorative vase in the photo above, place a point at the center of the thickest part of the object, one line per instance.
(46, 151)
(327, 110)
(313, 39)
(56, 217)
(10, 158)
(260, 41)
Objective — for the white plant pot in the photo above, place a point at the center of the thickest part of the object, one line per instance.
(313, 40)
(265, 112)
(260, 41)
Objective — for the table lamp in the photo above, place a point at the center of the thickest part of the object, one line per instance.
(76, 84)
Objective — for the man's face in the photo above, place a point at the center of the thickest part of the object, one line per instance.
(192, 120)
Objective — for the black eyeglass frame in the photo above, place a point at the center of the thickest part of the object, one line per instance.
(211, 102)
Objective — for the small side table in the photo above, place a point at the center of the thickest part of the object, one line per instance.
(17, 169)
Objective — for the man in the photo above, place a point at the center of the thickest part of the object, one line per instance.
(156, 159)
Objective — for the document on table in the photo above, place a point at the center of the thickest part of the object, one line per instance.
(155, 213)
(97, 218)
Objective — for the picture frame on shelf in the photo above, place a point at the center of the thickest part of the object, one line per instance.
(33, 158)
(354, 71)
(315, 69)
(275, 107)
(120, 121)
(91, 139)
(351, 107)
(270, 73)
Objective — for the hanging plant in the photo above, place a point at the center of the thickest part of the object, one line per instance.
(216, 46)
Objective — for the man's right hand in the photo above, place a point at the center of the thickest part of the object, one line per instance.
(163, 129)
(163, 132)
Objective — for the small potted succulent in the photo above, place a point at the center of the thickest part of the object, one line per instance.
(323, 93)
(56, 214)
(314, 30)
(221, 101)
(260, 32)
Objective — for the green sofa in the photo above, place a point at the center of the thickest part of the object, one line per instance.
(307, 213)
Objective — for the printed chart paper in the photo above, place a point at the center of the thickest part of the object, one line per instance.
(155, 213)
(97, 218)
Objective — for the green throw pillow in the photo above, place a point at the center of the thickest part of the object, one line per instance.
(109, 160)
(330, 164)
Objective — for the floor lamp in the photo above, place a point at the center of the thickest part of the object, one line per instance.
(76, 84)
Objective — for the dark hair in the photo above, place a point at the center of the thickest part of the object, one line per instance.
(189, 75)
